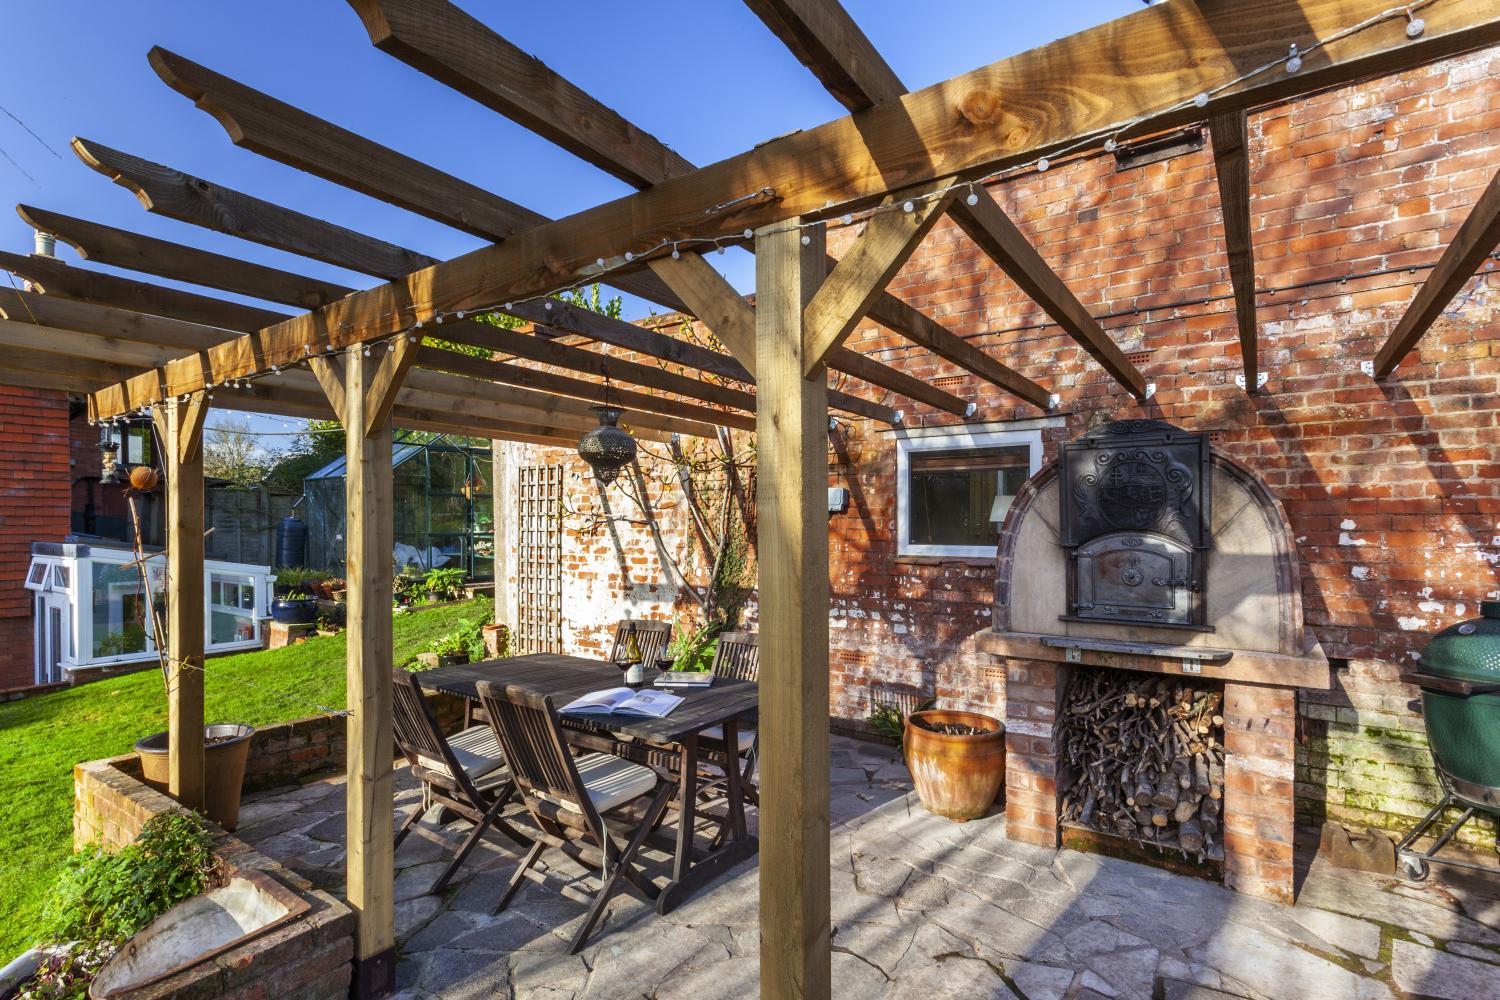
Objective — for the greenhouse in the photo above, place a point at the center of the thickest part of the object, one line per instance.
(444, 514)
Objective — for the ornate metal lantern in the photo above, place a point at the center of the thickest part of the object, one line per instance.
(109, 452)
(607, 448)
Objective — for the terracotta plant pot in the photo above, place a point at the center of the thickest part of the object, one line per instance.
(957, 777)
(226, 749)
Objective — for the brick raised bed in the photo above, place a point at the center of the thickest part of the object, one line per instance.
(309, 958)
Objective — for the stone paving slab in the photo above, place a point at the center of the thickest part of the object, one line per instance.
(922, 909)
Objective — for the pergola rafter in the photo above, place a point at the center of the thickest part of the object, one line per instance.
(442, 41)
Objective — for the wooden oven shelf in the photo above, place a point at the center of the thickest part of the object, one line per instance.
(1204, 653)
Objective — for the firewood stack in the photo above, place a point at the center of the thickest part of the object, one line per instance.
(1145, 756)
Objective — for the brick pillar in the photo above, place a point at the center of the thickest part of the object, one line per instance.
(1259, 807)
(1033, 691)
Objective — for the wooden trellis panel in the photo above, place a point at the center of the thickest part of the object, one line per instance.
(539, 560)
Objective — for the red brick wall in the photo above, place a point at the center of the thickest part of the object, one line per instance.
(34, 477)
(1393, 490)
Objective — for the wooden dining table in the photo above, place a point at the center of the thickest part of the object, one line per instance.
(673, 743)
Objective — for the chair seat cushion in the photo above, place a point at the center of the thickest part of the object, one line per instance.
(745, 737)
(610, 781)
(476, 750)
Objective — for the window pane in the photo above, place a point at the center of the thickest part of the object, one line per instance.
(960, 497)
(118, 607)
(231, 611)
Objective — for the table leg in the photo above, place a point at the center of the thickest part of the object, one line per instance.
(732, 787)
(687, 810)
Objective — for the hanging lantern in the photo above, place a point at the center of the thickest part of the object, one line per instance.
(108, 455)
(607, 448)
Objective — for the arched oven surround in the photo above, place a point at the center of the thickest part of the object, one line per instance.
(1230, 612)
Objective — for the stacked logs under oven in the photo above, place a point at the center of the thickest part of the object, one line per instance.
(1144, 755)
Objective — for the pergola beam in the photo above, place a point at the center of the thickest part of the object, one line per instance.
(987, 225)
(106, 321)
(1475, 240)
(1232, 167)
(1150, 63)
(286, 134)
(193, 200)
(442, 41)
(61, 281)
(147, 254)
(825, 39)
(438, 359)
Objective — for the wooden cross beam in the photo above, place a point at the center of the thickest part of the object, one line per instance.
(137, 252)
(170, 192)
(438, 359)
(1232, 165)
(108, 322)
(570, 319)
(823, 37)
(60, 281)
(281, 132)
(441, 40)
(1474, 241)
(1008, 113)
(193, 200)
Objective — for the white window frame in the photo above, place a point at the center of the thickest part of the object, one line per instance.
(954, 439)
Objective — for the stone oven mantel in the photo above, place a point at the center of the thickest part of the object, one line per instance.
(1310, 670)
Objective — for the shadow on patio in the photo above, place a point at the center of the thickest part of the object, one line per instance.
(921, 907)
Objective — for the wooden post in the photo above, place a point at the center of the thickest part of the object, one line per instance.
(361, 393)
(792, 424)
(180, 425)
(503, 490)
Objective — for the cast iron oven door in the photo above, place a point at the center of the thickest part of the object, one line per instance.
(1134, 577)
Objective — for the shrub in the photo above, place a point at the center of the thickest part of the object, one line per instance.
(108, 897)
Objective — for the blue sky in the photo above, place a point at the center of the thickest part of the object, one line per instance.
(704, 76)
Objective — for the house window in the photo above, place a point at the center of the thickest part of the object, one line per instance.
(955, 485)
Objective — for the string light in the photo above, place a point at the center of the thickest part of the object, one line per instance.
(1291, 63)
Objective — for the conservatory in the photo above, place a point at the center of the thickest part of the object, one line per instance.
(91, 607)
(443, 509)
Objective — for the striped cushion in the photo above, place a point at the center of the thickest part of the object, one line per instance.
(476, 750)
(610, 781)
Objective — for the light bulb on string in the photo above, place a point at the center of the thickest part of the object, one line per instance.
(1414, 26)
(1043, 164)
(907, 207)
(1293, 59)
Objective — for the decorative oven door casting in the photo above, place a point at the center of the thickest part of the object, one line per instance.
(1134, 577)
(1135, 518)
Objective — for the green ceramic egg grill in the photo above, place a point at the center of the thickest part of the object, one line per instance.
(1460, 683)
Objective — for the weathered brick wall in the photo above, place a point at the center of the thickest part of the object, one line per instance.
(1392, 489)
(33, 507)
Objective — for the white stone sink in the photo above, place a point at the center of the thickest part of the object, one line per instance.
(195, 931)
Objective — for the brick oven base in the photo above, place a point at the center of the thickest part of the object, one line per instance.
(1259, 738)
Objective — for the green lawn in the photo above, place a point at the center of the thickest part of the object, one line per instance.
(42, 738)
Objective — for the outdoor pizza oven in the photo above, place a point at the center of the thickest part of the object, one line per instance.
(1149, 638)
(1135, 521)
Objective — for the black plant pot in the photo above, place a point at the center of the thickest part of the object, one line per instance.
(287, 612)
(452, 659)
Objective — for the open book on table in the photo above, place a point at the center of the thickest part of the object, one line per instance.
(623, 701)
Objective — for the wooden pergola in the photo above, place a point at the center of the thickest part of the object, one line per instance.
(899, 161)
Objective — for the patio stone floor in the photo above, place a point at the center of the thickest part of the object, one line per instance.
(922, 908)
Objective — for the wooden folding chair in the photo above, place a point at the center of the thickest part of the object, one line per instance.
(572, 799)
(652, 637)
(465, 772)
(737, 658)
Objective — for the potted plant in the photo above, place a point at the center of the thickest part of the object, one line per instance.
(295, 608)
(451, 649)
(443, 584)
(957, 761)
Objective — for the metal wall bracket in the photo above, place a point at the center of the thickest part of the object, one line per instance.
(1368, 367)
(1054, 401)
(1260, 379)
(1150, 389)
